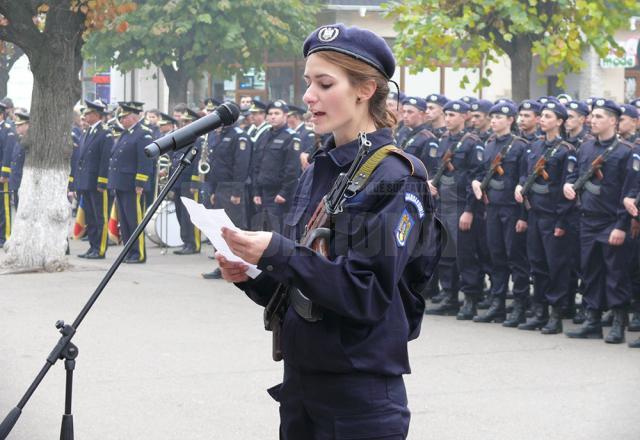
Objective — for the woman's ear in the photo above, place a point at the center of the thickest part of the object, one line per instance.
(366, 90)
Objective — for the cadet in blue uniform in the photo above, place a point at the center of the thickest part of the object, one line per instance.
(188, 185)
(461, 214)
(549, 233)
(129, 172)
(307, 137)
(18, 154)
(343, 372)
(528, 119)
(434, 115)
(90, 178)
(480, 119)
(605, 249)
(277, 171)
(506, 220)
(421, 143)
(7, 141)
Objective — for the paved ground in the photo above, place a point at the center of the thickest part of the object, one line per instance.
(165, 354)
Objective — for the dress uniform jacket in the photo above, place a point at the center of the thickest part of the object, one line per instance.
(307, 138)
(92, 166)
(129, 167)
(423, 144)
(230, 162)
(278, 169)
(370, 307)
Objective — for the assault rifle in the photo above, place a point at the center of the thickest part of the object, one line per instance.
(538, 170)
(316, 237)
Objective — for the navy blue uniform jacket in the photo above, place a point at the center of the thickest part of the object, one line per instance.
(378, 251)
(92, 166)
(129, 167)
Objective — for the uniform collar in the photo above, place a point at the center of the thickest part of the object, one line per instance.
(503, 138)
(279, 130)
(299, 126)
(345, 154)
(553, 142)
(457, 136)
(607, 142)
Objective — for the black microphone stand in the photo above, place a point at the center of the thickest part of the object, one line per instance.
(64, 349)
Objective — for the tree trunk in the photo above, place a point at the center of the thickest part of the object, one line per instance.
(4, 82)
(177, 82)
(521, 62)
(41, 226)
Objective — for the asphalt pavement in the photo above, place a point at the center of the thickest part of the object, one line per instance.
(165, 354)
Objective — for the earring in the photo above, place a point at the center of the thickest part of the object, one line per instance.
(358, 99)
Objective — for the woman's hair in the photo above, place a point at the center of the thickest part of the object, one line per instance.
(358, 73)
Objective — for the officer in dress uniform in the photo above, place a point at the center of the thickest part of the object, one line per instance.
(434, 114)
(276, 173)
(343, 372)
(18, 154)
(307, 137)
(605, 249)
(188, 185)
(258, 133)
(549, 232)
(7, 141)
(129, 173)
(480, 119)
(460, 267)
(506, 220)
(90, 178)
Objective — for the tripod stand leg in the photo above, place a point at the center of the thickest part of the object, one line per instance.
(66, 431)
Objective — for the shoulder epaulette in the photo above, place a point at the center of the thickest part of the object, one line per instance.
(238, 130)
(472, 136)
(427, 133)
(417, 167)
(145, 128)
(568, 146)
(626, 143)
(291, 131)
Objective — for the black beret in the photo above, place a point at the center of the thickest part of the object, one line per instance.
(506, 108)
(356, 42)
(434, 98)
(415, 101)
(578, 107)
(630, 110)
(531, 105)
(559, 109)
(607, 104)
(481, 105)
(456, 106)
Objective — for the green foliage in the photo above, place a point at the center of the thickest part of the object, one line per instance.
(221, 36)
(471, 32)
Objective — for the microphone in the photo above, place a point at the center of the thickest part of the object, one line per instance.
(224, 115)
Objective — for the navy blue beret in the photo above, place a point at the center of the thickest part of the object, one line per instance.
(456, 106)
(635, 103)
(607, 104)
(564, 98)
(502, 101)
(591, 100)
(629, 110)
(434, 98)
(559, 109)
(278, 104)
(469, 99)
(531, 105)
(578, 107)
(481, 105)
(418, 103)
(545, 99)
(359, 43)
(506, 108)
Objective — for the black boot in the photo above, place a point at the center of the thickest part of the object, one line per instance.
(485, 302)
(539, 319)
(554, 325)
(439, 297)
(607, 318)
(635, 344)
(496, 312)
(579, 318)
(449, 306)
(634, 325)
(517, 315)
(469, 308)
(616, 334)
(591, 328)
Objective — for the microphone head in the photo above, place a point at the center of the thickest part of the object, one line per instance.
(228, 112)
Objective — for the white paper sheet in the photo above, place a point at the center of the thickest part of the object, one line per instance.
(210, 222)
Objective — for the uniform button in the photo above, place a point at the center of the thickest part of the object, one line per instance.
(270, 268)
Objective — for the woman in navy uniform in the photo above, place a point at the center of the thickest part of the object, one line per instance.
(506, 220)
(549, 232)
(343, 373)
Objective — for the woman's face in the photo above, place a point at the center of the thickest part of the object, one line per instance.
(549, 121)
(330, 96)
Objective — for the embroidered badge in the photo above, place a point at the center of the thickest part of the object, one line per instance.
(328, 33)
(404, 228)
(480, 153)
(415, 201)
(636, 162)
(433, 150)
(243, 145)
(296, 146)
(571, 164)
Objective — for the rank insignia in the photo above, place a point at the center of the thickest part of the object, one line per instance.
(404, 228)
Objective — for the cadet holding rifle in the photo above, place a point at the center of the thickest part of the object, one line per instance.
(506, 220)
(609, 171)
(353, 305)
(550, 162)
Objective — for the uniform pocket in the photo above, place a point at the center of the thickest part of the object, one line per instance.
(387, 425)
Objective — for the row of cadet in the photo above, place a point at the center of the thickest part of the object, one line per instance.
(250, 169)
(539, 198)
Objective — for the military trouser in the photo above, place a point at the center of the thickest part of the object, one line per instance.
(189, 234)
(237, 213)
(5, 212)
(96, 211)
(131, 209)
(328, 406)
